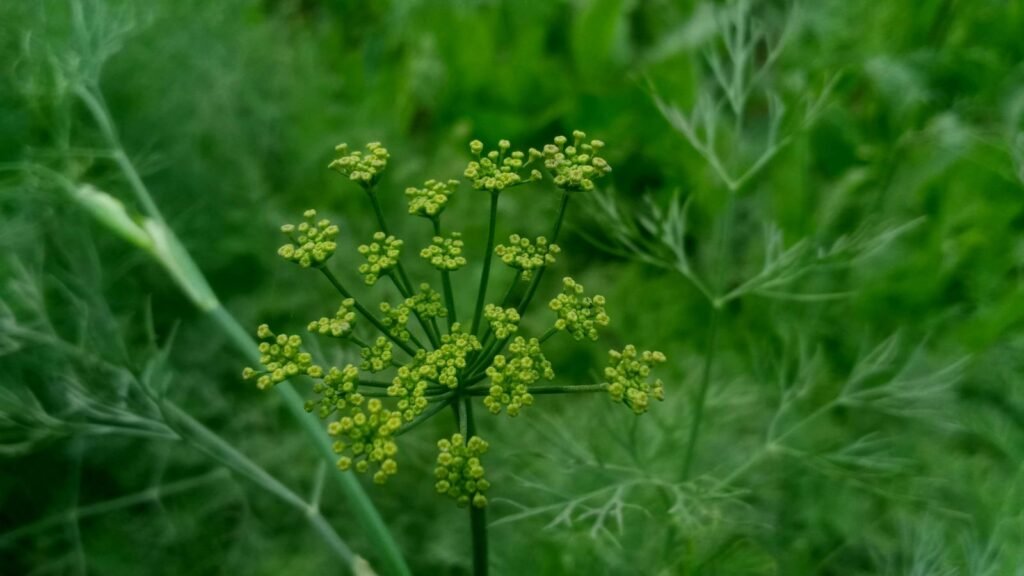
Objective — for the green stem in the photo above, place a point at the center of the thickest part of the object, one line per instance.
(535, 390)
(540, 271)
(362, 507)
(702, 394)
(477, 516)
(434, 408)
(547, 335)
(366, 313)
(446, 281)
(207, 441)
(485, 276)
(401, 282)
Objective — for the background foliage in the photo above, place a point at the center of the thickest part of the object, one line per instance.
(866, 417)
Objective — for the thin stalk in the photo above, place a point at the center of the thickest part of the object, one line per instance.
(477, 516)
(434, 408)
(547, 335)
(402, 282)
(485, 275)
(446, 281)
(362, 507)
(540, 272)
(209, 442)
(535, 390)
(702, 394)
(366, 313)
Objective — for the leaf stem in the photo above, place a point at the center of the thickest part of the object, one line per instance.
(702, 394)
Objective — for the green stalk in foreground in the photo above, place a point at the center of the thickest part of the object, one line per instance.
(159, 240)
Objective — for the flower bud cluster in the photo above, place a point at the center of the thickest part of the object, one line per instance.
(362, 168)
(450, 357)
(511, 378)
(341, 325)
(367, 439)
(338, 389)
(627, 375)
(527, 256)
(430, 200)
(312, 242)
(499, 169)
(578, 314)
(410, 386)
(427, 303)
(504, 321)
(445, 253)
(377, 357)
(381, 256)
(575, 167)
(281, 358)
(459, 472)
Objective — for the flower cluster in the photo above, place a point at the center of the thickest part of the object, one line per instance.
(312, 242)
(377, 357)
(447, 362)
(337, 389)
(381, 256)
(459, 472)
(410, 386)
(430, 200)
(527, 256)
(511, 378)
(368, 439)
(362, 168)
(407, 374)
(575, 167)
(445, 253)
(341, 325)
(499, 169)
(627, 375)
(427, 303)
(281, 358)
(504, 321)
(578, 314)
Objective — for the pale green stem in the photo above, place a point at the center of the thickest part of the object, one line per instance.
(362, 507)
(701, 399)
(540, 271)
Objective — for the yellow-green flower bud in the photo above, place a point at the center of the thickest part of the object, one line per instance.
(578, 314)
(628, 374)
(281, 357)
(312, 241)
(341, 325)
(430, 200)
(378, 356)
(459, 472)
(381, 256)
(511, 377)
(504, 321)
(445, 253)
(498, 169)
(522, 254)
(575, 168)
(365, 169)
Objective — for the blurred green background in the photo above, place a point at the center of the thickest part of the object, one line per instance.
(895, 184)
